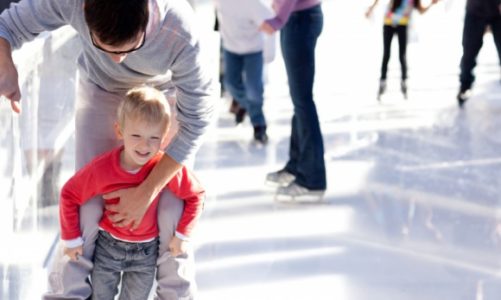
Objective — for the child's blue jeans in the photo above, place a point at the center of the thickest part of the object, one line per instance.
(137, 261)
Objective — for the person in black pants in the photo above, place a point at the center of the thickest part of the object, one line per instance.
(396, 21)
(479, 15)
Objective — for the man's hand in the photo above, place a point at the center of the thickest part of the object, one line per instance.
(74, 253)
(134, 202)
(129, 211)
(9, 86)
(177, 246)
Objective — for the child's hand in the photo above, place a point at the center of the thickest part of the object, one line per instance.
(177, 246)
(73, 253)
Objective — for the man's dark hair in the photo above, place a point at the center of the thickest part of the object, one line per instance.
(116, 22)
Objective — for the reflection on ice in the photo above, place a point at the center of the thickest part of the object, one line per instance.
(412, 208)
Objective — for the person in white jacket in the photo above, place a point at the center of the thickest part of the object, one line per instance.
(243, 44)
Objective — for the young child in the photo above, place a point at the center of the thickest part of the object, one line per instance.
(396, 21)
(143, 119)
(243, 58)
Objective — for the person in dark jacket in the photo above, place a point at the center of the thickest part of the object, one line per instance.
(479, 15)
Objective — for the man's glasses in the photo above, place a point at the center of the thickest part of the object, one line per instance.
(143, 40)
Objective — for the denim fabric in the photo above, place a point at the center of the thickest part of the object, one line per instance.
(473, 34)
(298, 39)
(243, 78)
(135, 263)
(388, 33)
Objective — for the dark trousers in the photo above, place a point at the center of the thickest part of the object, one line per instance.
(473, 35)
(388, 33)
(298, 39)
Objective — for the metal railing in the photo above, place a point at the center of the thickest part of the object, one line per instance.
(33, 158)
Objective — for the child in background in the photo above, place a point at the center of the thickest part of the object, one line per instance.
(396, 21)
(143, 119)
(243, 58)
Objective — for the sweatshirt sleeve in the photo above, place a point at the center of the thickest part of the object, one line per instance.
(196, 98)
(76, 191)
(185, 186)
(23, 21)
(283, 11)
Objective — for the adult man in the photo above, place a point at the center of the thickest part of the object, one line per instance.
(479, 15)
(125, 43)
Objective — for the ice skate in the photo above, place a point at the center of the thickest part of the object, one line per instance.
(296, 193)
(463, 95)
(382, 89)
(403, 87)
(279, 178)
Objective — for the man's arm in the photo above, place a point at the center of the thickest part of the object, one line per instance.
(24, 21)
(20, 23)
(196, 95)
(135, 201)
(9, 86)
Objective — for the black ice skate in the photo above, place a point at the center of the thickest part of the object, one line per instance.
(382, 88)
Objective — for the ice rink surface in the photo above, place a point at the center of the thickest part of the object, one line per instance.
(411, 211)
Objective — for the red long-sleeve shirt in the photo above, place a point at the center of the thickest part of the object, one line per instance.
(104, 175)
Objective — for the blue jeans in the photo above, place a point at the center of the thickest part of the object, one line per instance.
(243, 78)
(137, 262)
(298, 39)
(473, 35)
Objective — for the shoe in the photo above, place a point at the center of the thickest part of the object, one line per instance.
(260, 134)
(463, 95)
(382, 88)
(403, 87)
(294, 191)
(240, 115)
(279, 178)
(234, 107)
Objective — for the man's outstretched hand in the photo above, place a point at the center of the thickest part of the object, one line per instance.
(9, 86)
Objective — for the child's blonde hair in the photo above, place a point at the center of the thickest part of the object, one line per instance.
(144, 104)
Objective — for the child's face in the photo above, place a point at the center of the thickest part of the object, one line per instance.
(142, 140)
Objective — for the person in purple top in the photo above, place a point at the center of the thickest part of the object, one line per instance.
(300, 23)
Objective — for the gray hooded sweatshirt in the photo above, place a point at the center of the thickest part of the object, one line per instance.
(170, 57)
